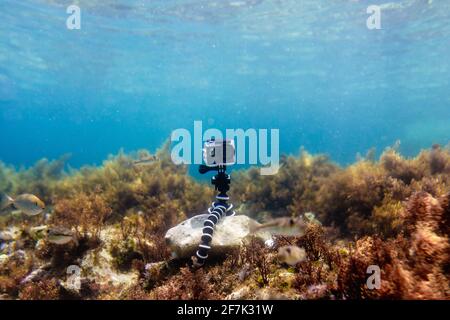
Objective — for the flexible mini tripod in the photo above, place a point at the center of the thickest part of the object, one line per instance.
(219, 209)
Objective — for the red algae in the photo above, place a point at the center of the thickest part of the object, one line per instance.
(392, 213)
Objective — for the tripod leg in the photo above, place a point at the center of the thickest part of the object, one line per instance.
(216, 212)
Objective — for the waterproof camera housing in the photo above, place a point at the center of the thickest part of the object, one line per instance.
(219, 153)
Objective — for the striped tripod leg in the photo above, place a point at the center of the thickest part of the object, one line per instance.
(215, 213)
(229, 209)
(230, 212)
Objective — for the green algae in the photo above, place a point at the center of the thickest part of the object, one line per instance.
(378, 201)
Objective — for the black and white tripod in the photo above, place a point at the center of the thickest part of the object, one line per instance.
(219, 209)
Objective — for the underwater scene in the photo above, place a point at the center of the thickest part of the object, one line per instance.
(224, 150)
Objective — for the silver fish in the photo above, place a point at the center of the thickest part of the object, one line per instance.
(291, 255)
(144, 161)
(282, 227)
(59, 235)
(5, 201)
(29, 204)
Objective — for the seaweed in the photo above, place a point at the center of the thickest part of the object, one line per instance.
(290, 192)
(187, 285)
(13, 272)
(85, 213)
(42, 179)
(361, 199)
(393, 212)
(47, 289)
(414, 265)
(256, 255)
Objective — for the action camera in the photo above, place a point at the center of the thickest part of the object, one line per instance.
(219, 153)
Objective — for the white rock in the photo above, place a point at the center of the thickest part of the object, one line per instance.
(269, 243)
(10, 234)
(3, 258)
(239, 294)
(149, 267)
(98, 264)
(5, 236)
(229, 233)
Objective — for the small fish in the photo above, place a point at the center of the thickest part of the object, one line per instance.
(144, 161)
(5, 201)
(59, 235)
(29, 204)
(37, 232)
(291, 255)
(282, 227)
(311, 218)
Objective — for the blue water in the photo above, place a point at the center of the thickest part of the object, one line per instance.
(139, 69)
